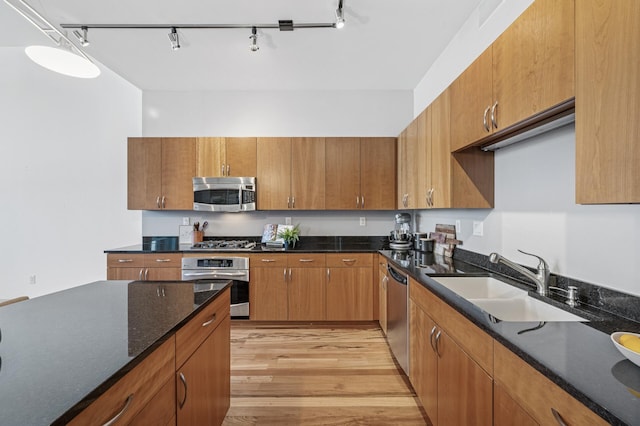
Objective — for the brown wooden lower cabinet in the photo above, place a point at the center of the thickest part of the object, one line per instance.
(506, 411)
(383, 280)
(144, 267)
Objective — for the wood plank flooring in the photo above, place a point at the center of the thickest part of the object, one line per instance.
(317, 375)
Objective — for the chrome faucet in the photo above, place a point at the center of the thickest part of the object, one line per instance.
(541, 279)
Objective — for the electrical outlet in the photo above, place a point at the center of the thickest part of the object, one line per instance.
(363, 221)
(458, 228)
(478, 228)
(32, 279)
(287, 221)
(185, 221)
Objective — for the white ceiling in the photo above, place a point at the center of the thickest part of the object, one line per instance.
(385, 45)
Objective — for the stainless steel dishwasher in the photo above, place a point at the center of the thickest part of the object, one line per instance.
(397, 316)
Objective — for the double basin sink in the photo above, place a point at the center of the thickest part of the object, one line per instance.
(504, 301)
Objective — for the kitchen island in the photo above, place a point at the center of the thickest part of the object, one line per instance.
(62, 352)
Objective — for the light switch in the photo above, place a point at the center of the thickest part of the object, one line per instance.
(478, 228)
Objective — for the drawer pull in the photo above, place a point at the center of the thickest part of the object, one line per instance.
(305, 260)
(267, 260)
(433, 331)
(349, 260)
(437, 343)
(125, 260)
(184, 383)
(558, 417)
(163, 260)
(140, 274)
(146, 274)
(121, 413)
(206, 323)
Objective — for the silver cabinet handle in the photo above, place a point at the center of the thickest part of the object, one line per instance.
(328, 274)
(357, 202)
(206, 323)
(146, 274)
(222, 170)
(558, 417)
(289, 274)
(362, 203)
(438, 343)
(267, 260)
(433, 331)
(293, 202)
(306, 260)
(485, 122)
(163, 260)
(140, 274)
(285, 274)
(228, 170)
(163, 200)
(493, 115)
(125, 260)
(158, 201)
(288, 202)
(121, 412)
(184, 383)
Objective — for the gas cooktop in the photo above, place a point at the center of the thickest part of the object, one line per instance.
(224, 245)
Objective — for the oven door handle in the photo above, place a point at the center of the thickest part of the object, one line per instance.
(214, 274)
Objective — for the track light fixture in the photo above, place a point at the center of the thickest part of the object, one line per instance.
(339, 16)
(254, 40)
(174, 38)
(65, 58)
(82, 38)
(282, 25)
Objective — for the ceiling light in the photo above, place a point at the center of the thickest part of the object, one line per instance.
(174, 38)
(339, 16)
(66, 58)
(82, 38)
(254, 40)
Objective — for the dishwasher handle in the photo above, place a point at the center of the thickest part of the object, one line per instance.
(398, 276)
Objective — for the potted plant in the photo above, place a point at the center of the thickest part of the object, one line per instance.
(290, 236)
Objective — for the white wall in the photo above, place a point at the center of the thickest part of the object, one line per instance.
(535, 189)
(62, 175)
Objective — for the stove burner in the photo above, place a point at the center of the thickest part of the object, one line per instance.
(224, 245)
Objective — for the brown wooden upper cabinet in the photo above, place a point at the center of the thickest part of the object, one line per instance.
(160, 173)
(291, 173)
(226, 157)
(526, 72)
(360, 173)
(607, 101)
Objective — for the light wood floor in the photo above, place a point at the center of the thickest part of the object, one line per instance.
(317, 375)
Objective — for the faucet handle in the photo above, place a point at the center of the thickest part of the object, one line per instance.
(542, 263)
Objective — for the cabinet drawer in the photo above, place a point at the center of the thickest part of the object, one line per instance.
(267, 260)
(163, 260)
(125, 260)
(347, 260)
(189, 337)
(538, 395)
(131, 393)
(161, 409)
(475, 342)
(306, 260)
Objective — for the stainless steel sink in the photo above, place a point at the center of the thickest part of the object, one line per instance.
(504, 301)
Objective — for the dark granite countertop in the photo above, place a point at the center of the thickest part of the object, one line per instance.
(307, 244)
(577, 356)
(61, 351)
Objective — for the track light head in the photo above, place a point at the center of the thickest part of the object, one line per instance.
(174, 38)
(82, 37)
(254, 40)
(339, 16)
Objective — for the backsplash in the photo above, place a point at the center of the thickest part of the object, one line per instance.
(608, 300)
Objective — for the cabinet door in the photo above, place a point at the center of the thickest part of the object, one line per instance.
(274, 173)
(607, 101)
(471, 101)
(411, 164)
(506, 411)
(144, 173)
(378, 173)
(402, 191)
(221, 383)
(241, 157)
(440, 151)
(306, 294)
(464, 389)
(423, 360)
(382, 295)
(533, 62)
(422, 163)
(350, 294)
(342, 177)
(210, 157)
(199, 402)
(178, 170)
(308, 173)
(268, 294)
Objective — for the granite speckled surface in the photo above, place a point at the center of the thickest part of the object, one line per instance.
(61, 351)
(577, 356)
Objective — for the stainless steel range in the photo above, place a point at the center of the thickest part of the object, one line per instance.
(224, 245)
(207, 268)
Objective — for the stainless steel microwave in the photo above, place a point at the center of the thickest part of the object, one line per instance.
(224, 194)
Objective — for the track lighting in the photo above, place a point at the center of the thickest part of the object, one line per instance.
(254, 40)
(339, 16)
(82, 38)
(174, 38)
